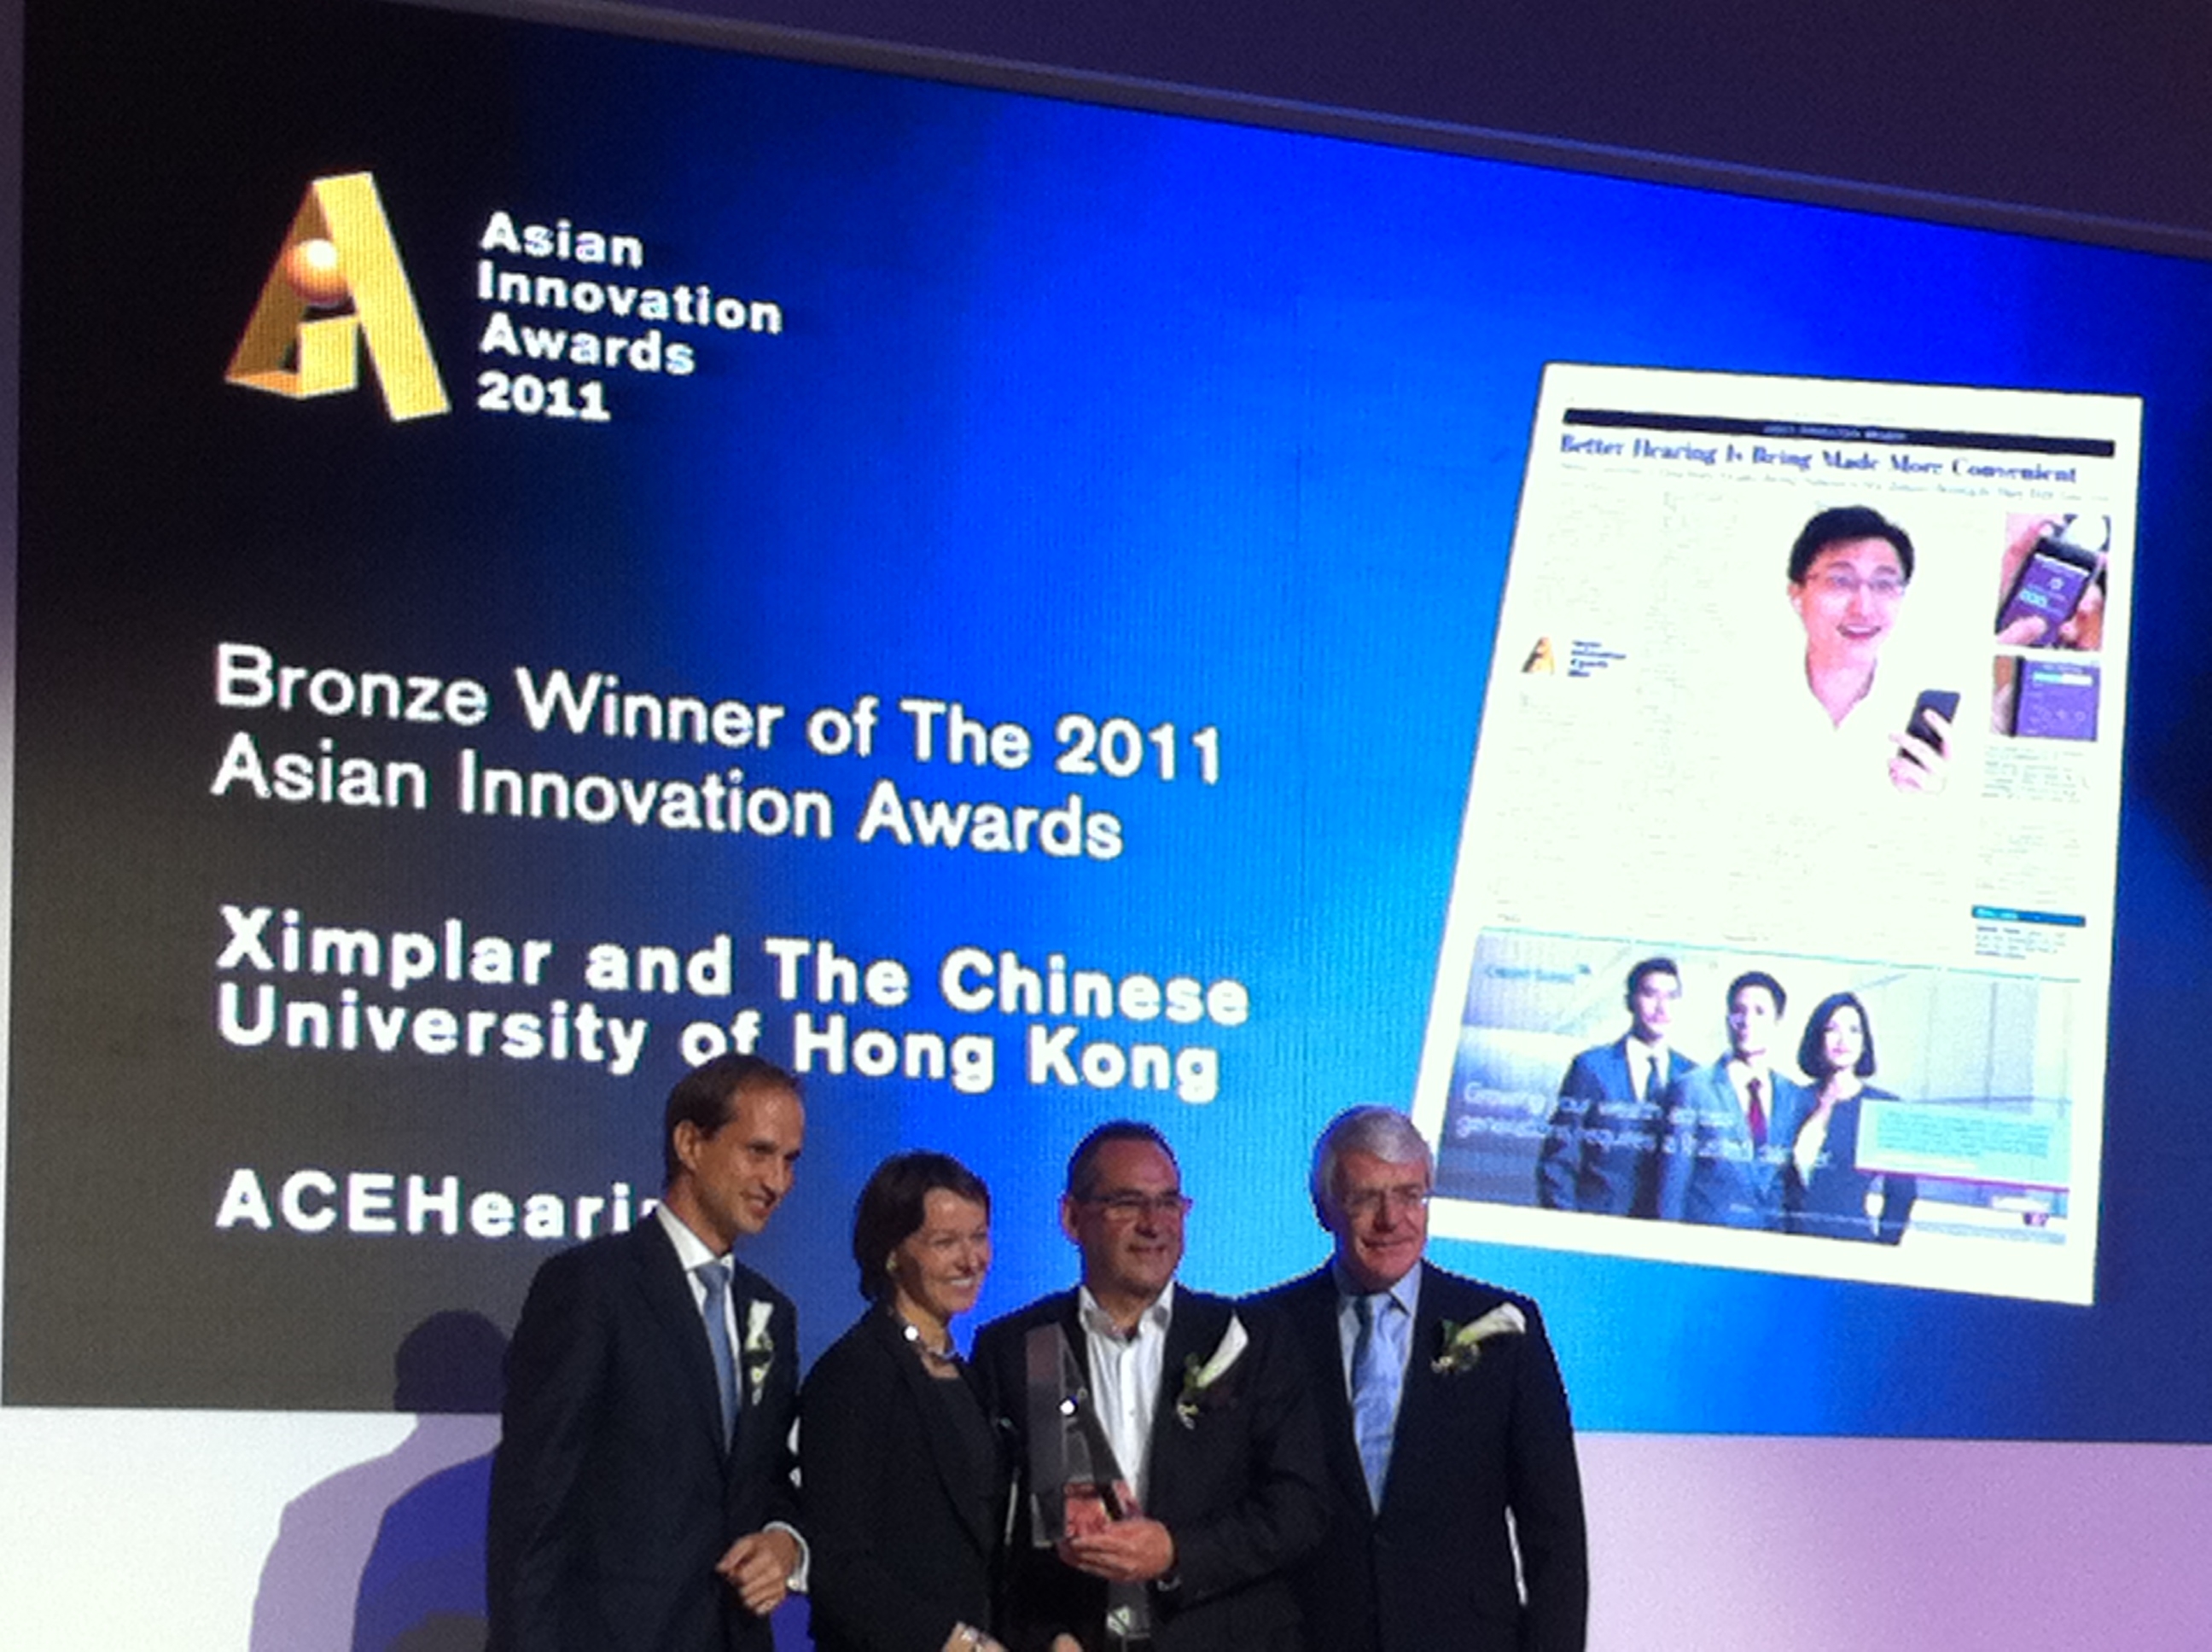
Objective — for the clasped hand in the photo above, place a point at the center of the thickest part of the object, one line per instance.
(1134, 1549)
(759, 1566)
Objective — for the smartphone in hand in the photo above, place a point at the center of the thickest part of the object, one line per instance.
(1944, 702)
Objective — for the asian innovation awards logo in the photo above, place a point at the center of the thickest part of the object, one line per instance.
(338, 286)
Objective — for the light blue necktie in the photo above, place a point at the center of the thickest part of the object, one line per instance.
(715, 1276)
(1378, 1367)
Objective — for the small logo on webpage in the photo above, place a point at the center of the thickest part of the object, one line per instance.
(339, 257)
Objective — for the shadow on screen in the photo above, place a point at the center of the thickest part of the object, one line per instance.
(387, 1554)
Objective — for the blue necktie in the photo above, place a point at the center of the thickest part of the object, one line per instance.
(1378, 1367)
(715, 1276)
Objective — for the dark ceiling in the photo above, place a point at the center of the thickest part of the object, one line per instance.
(2102, 109)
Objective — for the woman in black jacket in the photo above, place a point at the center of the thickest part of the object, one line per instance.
(899, 1473)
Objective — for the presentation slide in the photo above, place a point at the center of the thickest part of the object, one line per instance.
(1666, 774)
(546, 556)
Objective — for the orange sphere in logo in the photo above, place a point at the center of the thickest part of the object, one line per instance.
(312, 267)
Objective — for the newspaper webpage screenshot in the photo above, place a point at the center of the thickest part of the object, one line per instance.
(1780, 932)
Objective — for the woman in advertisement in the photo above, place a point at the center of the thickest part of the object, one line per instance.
(1828, 1194)
(900, 1473)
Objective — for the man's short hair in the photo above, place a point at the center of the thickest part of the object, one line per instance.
(893, 1204)
(1758, 978)
(1812, 1049)
(702, 1097)
(1649, 966)
(1840, 526)
(1384, 1132)
(1082, 1163)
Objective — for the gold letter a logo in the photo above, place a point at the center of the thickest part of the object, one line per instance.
(340, 250)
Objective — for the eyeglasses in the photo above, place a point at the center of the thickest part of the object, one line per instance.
(1846, 582)
(1129, 1207)
(1368, 1200)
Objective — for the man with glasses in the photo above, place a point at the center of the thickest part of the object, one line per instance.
(1169, 1455)
(1455, 1507)
(1849, 571)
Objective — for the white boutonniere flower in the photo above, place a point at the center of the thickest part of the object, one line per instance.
(1199, 1377)
(760, 1348)
(1462, 1344)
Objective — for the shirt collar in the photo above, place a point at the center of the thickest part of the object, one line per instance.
(1407, 1293)
(1097, 1322)
(690, 1249)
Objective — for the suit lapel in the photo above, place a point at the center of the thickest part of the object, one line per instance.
(1843, 1144)
(1426, 1412)
(1194, 1330)
(752, 1294)
(1193, 1333)
(1756, 1171)
(946, 1453)
(668, 1294)
(1621, 1078)
(1728, 1110)
(1676, 1067)
(1313, 1319)
(1422, 1392)
(1070, 1325)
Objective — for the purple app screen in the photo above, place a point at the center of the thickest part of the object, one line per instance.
(2057, 700)
(2050, 587)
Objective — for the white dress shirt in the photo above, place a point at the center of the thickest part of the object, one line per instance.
(1126, 1372)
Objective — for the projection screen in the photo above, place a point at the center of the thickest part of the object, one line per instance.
(546, 555)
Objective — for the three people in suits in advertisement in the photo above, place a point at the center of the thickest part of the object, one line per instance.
(1376, 1457)
(1640, 1130)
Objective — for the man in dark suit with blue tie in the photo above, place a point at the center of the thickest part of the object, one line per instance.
(642, 1497)
(1455, 1502)
(1728, 1126)
(1600, 1150)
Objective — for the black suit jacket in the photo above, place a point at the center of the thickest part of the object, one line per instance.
(1832, 1201)
(611, 1496)
(1432, 1570)
(1601, 1147)
(1239, 1487)
(901, 1520)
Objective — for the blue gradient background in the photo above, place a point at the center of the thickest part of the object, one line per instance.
(1077, 410)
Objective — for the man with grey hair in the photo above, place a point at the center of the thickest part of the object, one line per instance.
(1455, 1520)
